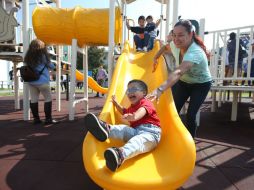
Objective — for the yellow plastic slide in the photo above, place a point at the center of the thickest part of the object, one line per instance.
(171, 163)
(91, 83)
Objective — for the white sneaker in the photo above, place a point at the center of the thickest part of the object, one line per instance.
(139, 49)
(145, 49)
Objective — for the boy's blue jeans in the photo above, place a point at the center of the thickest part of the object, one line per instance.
(138, 140)
(150, 43)
(140, 43)
(197, 94)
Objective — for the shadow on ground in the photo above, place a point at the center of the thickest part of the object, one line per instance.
(50, 157)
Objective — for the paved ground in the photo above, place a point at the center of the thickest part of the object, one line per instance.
(49, 157)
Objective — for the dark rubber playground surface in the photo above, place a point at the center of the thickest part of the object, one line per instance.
(50, 157)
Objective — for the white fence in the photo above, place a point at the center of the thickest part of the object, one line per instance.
(216, 42)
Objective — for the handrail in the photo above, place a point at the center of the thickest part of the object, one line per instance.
(129, 30)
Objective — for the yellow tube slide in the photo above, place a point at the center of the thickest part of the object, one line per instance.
(171, 163)
(91, 83)
(89, 26)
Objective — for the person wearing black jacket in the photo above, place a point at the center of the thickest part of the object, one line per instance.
(141, 37)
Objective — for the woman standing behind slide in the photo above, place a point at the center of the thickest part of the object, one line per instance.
(191, 78)
(37, 57)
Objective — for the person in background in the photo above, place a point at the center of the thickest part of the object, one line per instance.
(11, 77)
(37, 57)
(143, 134)
(191, 78)
(245, 67)
(101, 77)
(231, 47)
(153, 33)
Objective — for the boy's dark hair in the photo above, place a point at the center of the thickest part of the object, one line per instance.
(142, 85)
(141, 18)
(149, 17)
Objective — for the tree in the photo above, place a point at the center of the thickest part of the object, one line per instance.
(96, 56)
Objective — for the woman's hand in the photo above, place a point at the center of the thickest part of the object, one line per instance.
(155, 95)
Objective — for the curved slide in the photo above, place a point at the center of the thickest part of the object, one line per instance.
(171, 163)
(91, 83)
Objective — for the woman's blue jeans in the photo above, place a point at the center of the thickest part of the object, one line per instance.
(197, 94)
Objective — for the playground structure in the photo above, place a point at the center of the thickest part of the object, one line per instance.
(93, 162)
(125, 70)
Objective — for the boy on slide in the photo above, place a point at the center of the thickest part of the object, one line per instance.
(143, 134)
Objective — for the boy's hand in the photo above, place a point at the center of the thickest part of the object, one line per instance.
(155, 64)
(129, 117)
(113, 99)
(127, 24)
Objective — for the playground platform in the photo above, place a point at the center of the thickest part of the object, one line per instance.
(49, 157)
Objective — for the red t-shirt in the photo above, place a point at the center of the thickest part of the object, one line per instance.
(150, 117)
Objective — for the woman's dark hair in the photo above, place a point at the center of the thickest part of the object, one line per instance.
(142, 85)
(190, 29)
(35, 53)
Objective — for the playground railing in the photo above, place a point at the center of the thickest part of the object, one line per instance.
(216, 43)
(6, 84)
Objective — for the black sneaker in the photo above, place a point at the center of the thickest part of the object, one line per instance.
(114, 158)
(98, 128)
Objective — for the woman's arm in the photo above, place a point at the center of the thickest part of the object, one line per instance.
(175, 75)
(165, 48)
(172, 79)
(141, 112)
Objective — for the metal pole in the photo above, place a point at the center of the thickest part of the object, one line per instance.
(124, 21)
(73, 79)
(202, 28)
(85, 80)
(3, 4)
(167, 20)
(16, 86)
(111, 40)
(175, 12)
(26, 40)
(59, 53)
(161, 17)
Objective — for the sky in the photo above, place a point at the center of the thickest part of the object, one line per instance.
(218, 14)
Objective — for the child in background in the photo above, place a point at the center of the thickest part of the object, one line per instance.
(143, 134)
(141, 37)
(153, 33)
